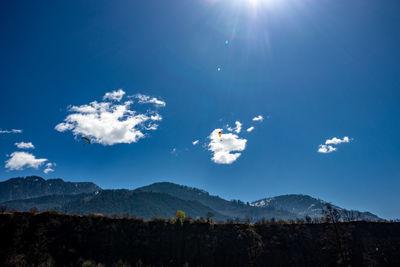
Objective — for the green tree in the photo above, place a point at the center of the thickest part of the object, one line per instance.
(179, 217)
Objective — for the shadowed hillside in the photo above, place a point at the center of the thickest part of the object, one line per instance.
(141, 204)
(50, 239)
(35, 186)
(232, 209)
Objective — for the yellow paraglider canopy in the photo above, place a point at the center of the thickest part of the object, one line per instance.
(87, 140)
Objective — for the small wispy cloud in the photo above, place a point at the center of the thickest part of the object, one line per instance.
(237, 129)
(238, 126)
(250, 129)
(258, 118)
(195, 142)
(174, 151)
(145, 99)
(326, 149)
(21, 160)
(114, 95)
(337, 141)
(49, 168)
(10, 131)
(23, 145)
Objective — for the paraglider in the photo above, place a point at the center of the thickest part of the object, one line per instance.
(219, 133)
(87, 140)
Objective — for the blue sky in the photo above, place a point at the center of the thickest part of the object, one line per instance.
(313, 69)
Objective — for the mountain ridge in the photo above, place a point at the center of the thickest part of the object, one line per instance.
(159, 199)
(35, 186)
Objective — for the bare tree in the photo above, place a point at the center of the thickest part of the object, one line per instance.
(333, 216)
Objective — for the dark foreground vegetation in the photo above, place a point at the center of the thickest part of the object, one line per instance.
(53, 239)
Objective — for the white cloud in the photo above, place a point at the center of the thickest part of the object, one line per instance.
(21, 160)
(258, 118)
(109, 123)
(24, 145)
(250, 129)
(114, 95)
(10, 131)
(195, 142)
(145, 99)
(326, 149)
(237, 129)
(337, 141)
(238, 126)
(222, 147)
(49, 168)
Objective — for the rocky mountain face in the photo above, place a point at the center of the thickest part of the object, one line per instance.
(304, 205)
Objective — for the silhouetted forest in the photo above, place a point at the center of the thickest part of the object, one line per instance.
(53, 239)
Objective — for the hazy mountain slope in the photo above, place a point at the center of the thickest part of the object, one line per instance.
(34, 186)
(304, 205)
(42, 203)
(230, 209)
(141, 204)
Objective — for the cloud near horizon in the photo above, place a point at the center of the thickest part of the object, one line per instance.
(49, 168)
(222, 147)
(110, 123)
(23, 145)
(20, 160)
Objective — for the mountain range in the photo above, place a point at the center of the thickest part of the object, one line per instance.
(156, 200)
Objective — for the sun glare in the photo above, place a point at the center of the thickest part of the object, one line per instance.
(253, 2)
(260, 3)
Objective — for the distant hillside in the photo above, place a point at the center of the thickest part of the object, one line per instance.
(304, 205)
(34, 186)
(233, 209)
(51, 202)
(141, 204)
